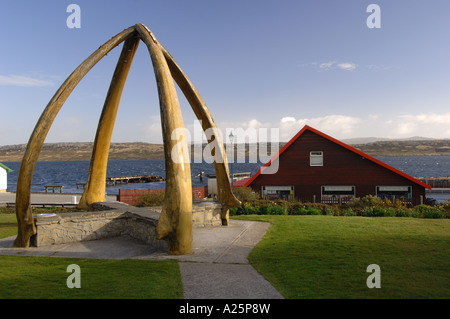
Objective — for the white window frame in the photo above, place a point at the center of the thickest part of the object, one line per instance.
(314, 158)
(339, 188)
(393, 188)
(274, 189)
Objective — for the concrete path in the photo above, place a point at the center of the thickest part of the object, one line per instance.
(47, 198)
(217, 269)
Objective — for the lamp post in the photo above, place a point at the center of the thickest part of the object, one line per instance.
(231, 137)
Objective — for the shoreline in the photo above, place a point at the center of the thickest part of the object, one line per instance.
(192, 161)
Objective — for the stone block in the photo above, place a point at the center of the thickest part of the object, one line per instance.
(116, 219)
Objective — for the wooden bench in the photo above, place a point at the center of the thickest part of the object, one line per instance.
(81, 184)
(53, 188)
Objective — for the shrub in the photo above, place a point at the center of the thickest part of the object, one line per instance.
(276, 210)
(375, 212)
(329, 211)
(152, 198)
(359, 204)
(390, 212)
(348, 212)
(250, 209)
(425, 211)
(397, 203)
(245, 194)
(402, 212)
(306, 210)
(233, 211)
(314, 211)
(300, 211)
(368, 206)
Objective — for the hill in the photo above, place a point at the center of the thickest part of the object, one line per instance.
(406, 147)
(81, 151)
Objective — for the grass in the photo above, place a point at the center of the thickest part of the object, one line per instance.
(327, 256)
(45, 278)
(23, 277)
(8, 225)
(302, 256)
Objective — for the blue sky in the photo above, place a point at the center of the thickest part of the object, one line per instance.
(257, 64)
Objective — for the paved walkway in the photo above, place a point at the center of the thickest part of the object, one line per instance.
(47, 198)
(217, 269)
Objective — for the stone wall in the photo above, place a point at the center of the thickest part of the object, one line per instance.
(115, 219)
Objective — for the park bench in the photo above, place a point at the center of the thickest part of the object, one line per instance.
(53, 188)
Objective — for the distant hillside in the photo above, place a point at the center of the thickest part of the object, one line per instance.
(143, 151)
(83, 151)
(405, 147)
(365, 140)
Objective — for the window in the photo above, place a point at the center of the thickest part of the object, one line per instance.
(278, 192)
(392, 192)
(316, 158)
(337, 194)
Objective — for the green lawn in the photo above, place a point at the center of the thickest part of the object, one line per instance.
(8, 225)
(327, 256)
(45, 277)
(302, 256)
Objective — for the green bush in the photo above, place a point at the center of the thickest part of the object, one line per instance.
(276, 210)
(300, 211)
(368, 206)
(307, 211)
(250, 209)
(373, 212)
(403, 212)
(348, 212)
(329, 211)
(245, 194)
(425, 211)
(152, 198)
(390, 212)
(358, 204)
(233, 211)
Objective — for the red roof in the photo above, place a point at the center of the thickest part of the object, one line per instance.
(305, 128)
(241, 182)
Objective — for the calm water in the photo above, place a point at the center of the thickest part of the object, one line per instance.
(69, 173)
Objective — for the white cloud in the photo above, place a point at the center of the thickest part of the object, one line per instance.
(326, 66)
(335, 125)
(333, 65)
(347, 66)
(424, 124)
(21, 80)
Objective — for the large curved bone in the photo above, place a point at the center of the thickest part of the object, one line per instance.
(225, 194)
(175, 221)
(95, 186)
(26, 227)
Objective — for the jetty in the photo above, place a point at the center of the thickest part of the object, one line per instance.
(111, 181)
(437, 182)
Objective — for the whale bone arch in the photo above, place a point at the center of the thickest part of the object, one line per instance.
(175, 223)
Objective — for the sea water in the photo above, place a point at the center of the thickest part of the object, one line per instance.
(68, 173)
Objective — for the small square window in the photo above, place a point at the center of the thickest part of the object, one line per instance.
(316, 158)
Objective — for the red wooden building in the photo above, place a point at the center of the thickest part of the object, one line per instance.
(314, 167)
